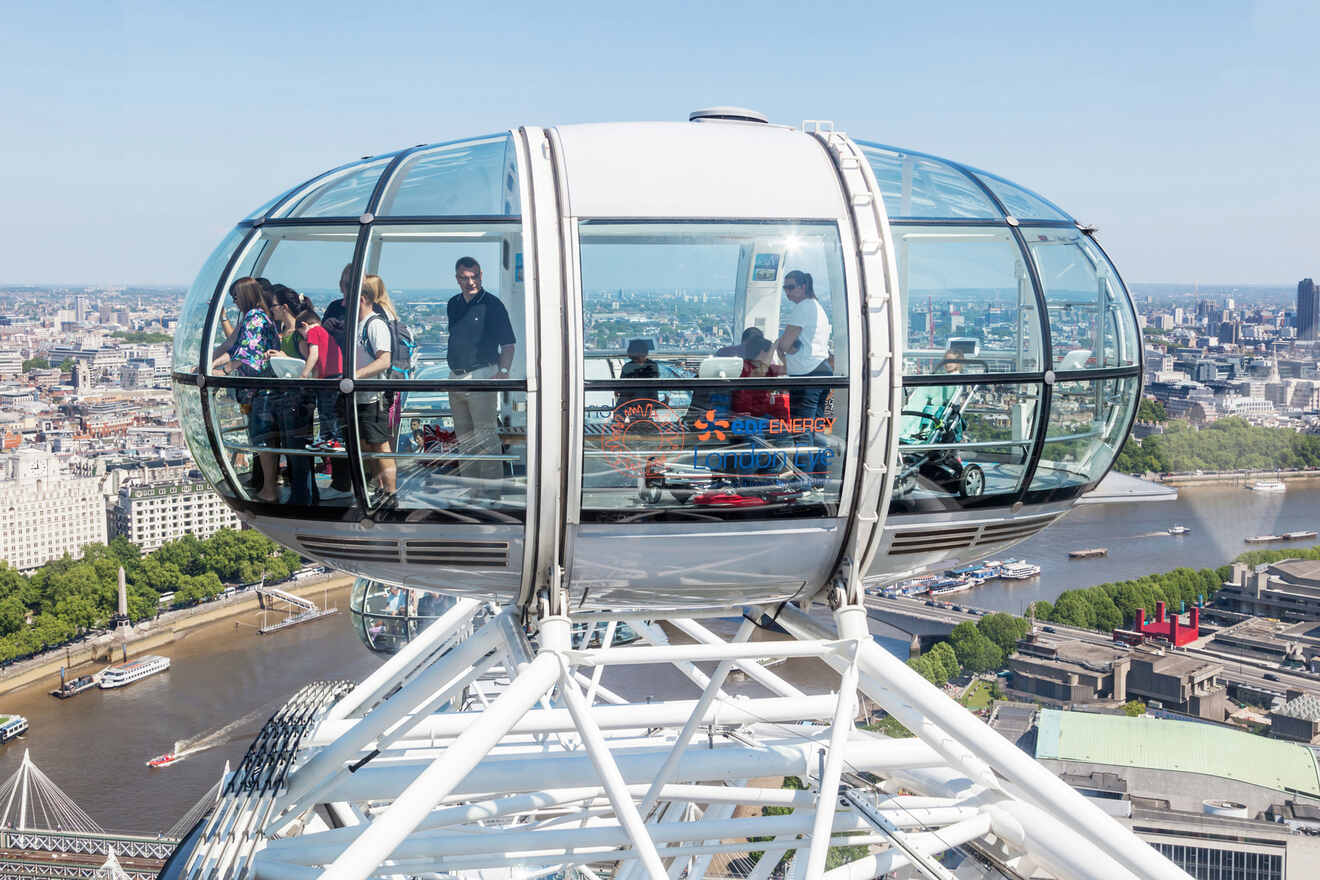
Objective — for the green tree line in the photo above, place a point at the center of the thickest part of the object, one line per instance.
(1114, 605)
(141, 337)
(1228, 444)
(972, 647)
(67, 596)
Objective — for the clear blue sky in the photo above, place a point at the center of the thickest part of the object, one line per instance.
(135, 134)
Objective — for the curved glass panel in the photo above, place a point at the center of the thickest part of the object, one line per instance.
(387, 617)
(967, 300)
(921, 188)
(197, 302)
(472, 178)
(310, 262)
(188, 402)
(419, 265)
(445, 450)
(264, 435)
(265, 208)
(964, 443)
(342, 195)
(1088, 423)
(1022, 203)
(1092, 324)
(721, 302)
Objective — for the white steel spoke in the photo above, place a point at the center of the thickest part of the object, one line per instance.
(556, 772)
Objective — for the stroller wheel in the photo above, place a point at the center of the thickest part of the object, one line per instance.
(973, 481)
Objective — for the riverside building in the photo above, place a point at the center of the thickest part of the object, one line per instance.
(152, 514)
(1288, 590)
(45, 512)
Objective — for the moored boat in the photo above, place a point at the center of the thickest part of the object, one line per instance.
(1089, 553)
(12, 726)
(1298, 535)
(74, 686)
(1267, 486)
(1019, 570)
(133, 670)
(1263, 539)
(952, 585)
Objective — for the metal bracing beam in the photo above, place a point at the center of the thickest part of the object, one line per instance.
(903, 812)
(927, 843)
(605, 693)
(695, 718)
(528, 772)
(685, 653)
(404, 663)
(430, 687)
(729, 711)
(652, 632)
(755, 671)
(1057, 845)
(605, 642)
(594, 742)
(428, 788)
(891, 683)
(849, 620)
(918, 859)
(555, 843)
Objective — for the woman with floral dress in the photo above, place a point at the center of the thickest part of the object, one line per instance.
(248, 349)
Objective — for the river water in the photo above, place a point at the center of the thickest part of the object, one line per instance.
(223, 683)
(225, 680)
(1219, 517)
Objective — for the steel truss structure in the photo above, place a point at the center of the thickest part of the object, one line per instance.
(560, 775)
(63, 870)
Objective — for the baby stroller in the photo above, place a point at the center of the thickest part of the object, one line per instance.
(938, 422)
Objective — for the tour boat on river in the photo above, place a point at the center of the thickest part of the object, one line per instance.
(1267, 486)
(12, 726)
(952, 585)
(134, 670)
(1018, 570)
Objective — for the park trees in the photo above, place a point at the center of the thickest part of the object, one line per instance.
(1004, 630)
(974, 651)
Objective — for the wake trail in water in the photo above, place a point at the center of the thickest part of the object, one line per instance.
(240, 728)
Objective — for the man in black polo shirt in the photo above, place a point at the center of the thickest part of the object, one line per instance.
(481, 345)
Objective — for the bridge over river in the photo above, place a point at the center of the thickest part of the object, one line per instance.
(43, 833)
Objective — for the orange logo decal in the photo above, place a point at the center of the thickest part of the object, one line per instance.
(709, 425)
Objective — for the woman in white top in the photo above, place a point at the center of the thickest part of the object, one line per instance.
(805, 345)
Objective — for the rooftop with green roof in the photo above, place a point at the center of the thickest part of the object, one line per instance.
(1187, 746)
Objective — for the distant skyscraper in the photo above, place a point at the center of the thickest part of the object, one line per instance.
(1308, 309)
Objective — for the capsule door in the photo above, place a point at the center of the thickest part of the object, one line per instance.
(713, 437)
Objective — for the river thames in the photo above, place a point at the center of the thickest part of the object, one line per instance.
(225, 680)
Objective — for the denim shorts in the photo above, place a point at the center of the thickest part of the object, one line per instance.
(261, 420)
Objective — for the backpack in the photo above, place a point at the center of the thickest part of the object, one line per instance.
(403, 348)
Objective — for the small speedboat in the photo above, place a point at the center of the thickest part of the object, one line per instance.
(1178, 530)
(164, 760)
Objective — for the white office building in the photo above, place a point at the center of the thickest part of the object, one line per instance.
(44, 512)
(152, 514)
